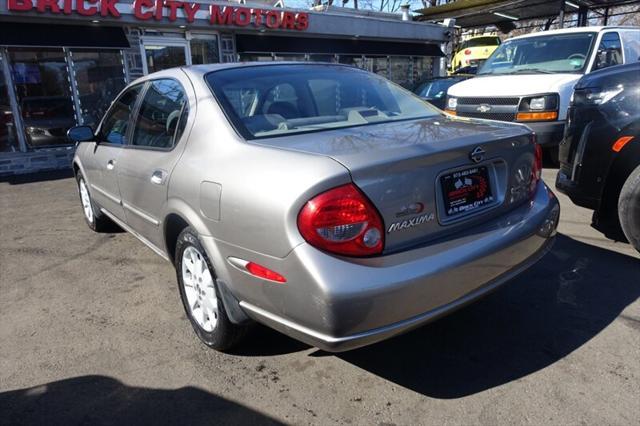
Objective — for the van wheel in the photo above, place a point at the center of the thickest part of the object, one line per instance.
(201, 297)
(629, 208)
(96, 220)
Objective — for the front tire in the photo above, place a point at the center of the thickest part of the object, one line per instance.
(629, 208)
(94, 218)
(201, 297)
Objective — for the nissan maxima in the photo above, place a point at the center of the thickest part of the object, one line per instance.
(321, 200)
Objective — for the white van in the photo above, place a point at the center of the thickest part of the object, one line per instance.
(530, 79)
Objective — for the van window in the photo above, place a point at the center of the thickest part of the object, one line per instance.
(631, 43)
(609, 51)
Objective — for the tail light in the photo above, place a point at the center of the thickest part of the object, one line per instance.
(467, 52)
(342, 221)
(536, 168)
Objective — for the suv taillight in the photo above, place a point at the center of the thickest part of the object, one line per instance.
(342, 221)
(536, 168)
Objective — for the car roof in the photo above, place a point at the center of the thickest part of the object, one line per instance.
(594, 29)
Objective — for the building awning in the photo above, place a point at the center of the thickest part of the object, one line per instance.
(246, 43)
(479, 13)
(28, 34)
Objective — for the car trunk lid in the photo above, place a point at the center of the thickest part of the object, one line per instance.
(406, 167)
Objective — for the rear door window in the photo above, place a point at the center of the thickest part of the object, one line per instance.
(158, 120)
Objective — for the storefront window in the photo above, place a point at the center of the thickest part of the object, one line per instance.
(8, 134)
(400, 69)
(162, 57)
(322, 58)
(205, 51)
(355, 61)
(379, 65)
(42, 80)
(99, 79)
(285, 57)
(255, 57)
(421, 68)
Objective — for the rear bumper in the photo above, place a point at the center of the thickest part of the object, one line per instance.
(549, 134)
(339, 304)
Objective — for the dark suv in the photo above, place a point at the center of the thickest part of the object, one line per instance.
(600, 153)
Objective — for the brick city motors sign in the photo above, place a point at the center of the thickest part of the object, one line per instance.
(157, 10)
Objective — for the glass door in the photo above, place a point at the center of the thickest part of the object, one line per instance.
(162, 53)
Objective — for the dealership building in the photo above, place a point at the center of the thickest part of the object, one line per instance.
(63, 61)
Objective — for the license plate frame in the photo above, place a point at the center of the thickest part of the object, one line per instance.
(467, 191)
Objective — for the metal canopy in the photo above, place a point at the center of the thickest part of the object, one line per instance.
(479, 13)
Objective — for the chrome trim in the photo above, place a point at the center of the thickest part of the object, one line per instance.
(106, 194)
(127, 228)
(141, 214)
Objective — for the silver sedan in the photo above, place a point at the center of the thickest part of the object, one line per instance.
(321, 200)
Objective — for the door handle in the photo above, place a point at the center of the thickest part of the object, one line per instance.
(111, 164)
(158, 177)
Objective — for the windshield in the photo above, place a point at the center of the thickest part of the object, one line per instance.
(277, 100)
(436, 88)
(565, 53)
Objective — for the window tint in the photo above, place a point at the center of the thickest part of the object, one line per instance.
(115, 124)
(631, 41)
(272, 100)
(157, 123)
(609, 51)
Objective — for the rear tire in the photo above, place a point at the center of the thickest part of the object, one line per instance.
(629, 208)
(95, 219)
(201, 296)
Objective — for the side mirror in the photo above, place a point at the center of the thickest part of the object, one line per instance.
(80, 133)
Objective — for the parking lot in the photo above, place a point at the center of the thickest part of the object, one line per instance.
(92, 331)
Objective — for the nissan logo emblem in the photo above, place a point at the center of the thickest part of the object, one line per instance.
(477, 155)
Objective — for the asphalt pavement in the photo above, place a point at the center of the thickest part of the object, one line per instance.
(92, 331)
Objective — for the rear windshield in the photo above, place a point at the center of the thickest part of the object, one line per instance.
(278, 100)
(480, 41)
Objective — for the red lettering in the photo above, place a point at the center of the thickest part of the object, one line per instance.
(223, 18)
(157, 15)
(272, 19)
(43, 5)
(242, 16)
(173, 9)
(19, 5)
(68, 7)
(190, 10)
(258, 14)
(288, 20)
(137, 9)
(86, 11)
(302, 21)
(108, 7)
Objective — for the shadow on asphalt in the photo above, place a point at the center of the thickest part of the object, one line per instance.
(97, 400)
(539, 318)
(37, 177)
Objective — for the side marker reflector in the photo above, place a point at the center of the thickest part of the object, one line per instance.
(262, 272)
(620, 143)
